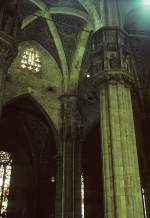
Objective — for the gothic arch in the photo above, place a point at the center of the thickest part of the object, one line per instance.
(29, 134)
(40, 111)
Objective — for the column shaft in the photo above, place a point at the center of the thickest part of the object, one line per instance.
(71, 159)
(106, 156)
(122, 187)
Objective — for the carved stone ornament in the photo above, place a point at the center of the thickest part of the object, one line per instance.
(114, 77)
(116, 58)
(71, 115)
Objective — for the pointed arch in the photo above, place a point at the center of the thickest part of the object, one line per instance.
(30, 135)
(17, 103)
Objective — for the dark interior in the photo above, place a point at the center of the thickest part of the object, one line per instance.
(92, 171)
(27, 134)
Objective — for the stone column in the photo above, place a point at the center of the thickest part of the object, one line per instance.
(121, 179)
(71, 196)
(110, 12)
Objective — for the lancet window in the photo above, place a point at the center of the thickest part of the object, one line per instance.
(144, 203)
(5, 176)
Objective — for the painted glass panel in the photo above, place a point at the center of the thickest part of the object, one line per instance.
(5, 175)
(31, 60)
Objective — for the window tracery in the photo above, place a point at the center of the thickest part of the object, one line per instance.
(5, 175)
(31, 60)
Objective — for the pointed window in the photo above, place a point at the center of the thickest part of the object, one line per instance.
(5, 175)
(31, 60)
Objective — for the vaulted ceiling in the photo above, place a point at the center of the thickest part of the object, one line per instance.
(63, 27)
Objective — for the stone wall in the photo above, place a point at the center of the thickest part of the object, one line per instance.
(44, 86)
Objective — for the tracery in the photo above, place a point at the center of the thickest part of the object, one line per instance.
(31, 60)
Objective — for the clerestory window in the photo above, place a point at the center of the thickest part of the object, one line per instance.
(5, 175)
(31, 60)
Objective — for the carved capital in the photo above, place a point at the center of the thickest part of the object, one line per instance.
(116, 77)
(71, 116)
(115, 63)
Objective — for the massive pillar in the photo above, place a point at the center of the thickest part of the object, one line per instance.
(121, 179)
(8, 31)
(71, 169)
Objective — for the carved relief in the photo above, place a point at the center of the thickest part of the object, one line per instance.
(116, 58)
(114, 61)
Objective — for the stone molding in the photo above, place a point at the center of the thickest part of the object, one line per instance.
(114, 78)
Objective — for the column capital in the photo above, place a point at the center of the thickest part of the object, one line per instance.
(71, 115)
(112, 56)
(114, 77)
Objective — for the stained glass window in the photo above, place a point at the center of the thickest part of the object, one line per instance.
(5, 175)
(144, 203)
(31, 60)
(82, 196)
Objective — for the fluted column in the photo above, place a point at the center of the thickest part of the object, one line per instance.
(122, 186)
(115, 76)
